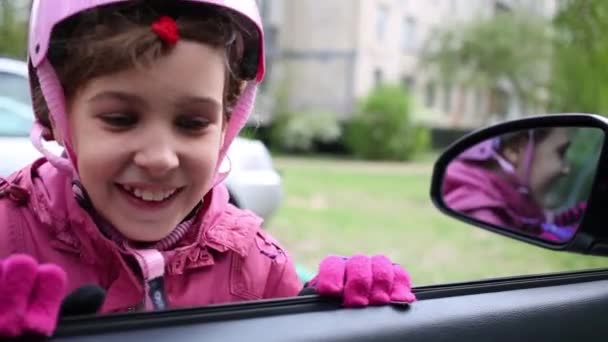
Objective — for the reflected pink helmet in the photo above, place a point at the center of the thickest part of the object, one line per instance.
(46, 14)
(489, 149)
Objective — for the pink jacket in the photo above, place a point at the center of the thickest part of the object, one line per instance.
(225, 257)
(483, 194)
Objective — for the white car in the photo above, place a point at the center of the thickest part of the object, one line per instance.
(253, 182)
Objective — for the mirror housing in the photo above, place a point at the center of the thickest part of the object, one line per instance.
(591, 237)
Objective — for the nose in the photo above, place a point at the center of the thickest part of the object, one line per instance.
(157, 157)
(566, 169)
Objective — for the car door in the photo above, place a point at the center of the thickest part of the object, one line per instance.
(557, 307)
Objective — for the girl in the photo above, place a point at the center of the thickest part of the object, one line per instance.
(146, 97)
(503, 181)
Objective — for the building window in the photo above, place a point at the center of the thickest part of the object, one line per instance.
(407, 82)
(500, 103)
(430, 93)
(447, 97)
(263, 7)
(478, 102)
(408, 34)
(271, 40)
(381, 22)
(501, 7)
(378, 78)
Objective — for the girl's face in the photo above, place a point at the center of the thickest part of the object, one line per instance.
(147, 140)
(549, 162)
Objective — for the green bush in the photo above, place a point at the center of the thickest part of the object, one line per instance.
(382, 128)
(299, 131)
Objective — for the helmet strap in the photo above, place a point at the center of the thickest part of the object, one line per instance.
(527, 161)
(55, 102)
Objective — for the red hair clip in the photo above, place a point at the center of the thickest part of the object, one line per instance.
(166, 29)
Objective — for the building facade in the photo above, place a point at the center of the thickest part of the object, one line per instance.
(328, 54)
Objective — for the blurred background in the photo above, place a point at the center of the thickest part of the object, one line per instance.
(360, 98)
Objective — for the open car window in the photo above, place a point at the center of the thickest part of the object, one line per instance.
(355, 111)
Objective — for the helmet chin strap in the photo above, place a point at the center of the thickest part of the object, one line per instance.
(238, 119)
(239, 116)
(53, 96)
(523, 177)
(527, 164)
(504, 164)
(221, 176)
(61, 163)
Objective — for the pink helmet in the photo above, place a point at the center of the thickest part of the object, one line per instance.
(489, 149)
(47, 14)
(485, 150)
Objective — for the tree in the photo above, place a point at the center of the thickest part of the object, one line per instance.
(511, 48)
(13, 29)
(580, 67)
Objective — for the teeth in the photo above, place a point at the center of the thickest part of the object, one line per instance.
(150, 195)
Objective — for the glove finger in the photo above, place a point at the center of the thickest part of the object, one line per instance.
(402, 286)
(47, 295)
(330, 280)
(358, 281)
(382, 282)
(16, 283)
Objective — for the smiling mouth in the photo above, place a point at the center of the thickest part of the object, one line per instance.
(149, 196)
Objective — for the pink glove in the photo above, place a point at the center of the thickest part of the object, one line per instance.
(30, 296)
(361, 280)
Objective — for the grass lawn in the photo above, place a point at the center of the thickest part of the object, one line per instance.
(347, 207)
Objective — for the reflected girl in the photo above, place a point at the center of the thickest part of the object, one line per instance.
(504, 181)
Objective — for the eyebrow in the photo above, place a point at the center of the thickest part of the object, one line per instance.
(135, 99)
(116, 95)
(198, 100)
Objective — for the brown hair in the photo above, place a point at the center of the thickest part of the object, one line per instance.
(113, 38)
(519, 138)
(513, 141)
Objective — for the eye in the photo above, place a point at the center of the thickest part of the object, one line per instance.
(119, 120)
(192, 123)
(562, 151)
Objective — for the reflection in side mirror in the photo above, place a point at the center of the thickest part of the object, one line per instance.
(533, 182)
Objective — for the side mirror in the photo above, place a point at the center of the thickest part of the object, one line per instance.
(542, 180)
